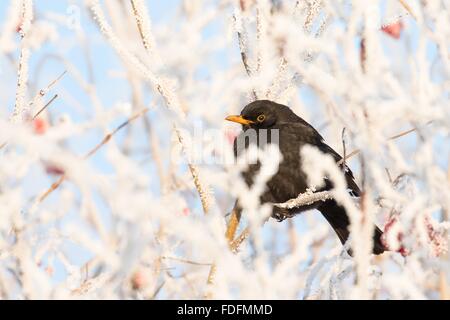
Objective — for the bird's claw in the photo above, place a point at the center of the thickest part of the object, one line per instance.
(280, 216)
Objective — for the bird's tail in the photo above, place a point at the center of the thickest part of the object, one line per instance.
(338, 219)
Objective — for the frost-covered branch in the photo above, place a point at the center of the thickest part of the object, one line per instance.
(161, 85)
(25, 52)
(305, 199)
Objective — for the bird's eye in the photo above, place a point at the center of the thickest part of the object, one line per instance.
(261, 118)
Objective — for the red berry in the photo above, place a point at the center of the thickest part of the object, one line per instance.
(54, 169)
(394, 29)
(230, 135)
(138, 280)
(19, 27)
(39, 126)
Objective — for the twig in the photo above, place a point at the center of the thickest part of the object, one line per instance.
(261, 30)
(109, 135)
(55, 81)
(45, 107)
(187, 261)
(52, 188)
(344, 149)
(355, 152)
(363, 54)
(244, 57)
(211, 275)
(143, 23)
(157, 290)
(90, 284)
(402, 134)
(407, 8)
(232, 225)
(388, 175)
(25, 52)
(243, 53)
(313, 11)
(42, 92)
(234, 246)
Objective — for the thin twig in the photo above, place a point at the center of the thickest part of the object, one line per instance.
(138, 16)
(52, 188)
(211, 275)
(143, 23)
(157, 290)
(402, 134)
(234, 246)
(244, 57)
(407, 8)
(56, 80)
(388, 175)
(232, 225)
(187, 261)
(42, 92)
(313, 11)
(344, 149)
(109, 135)
(45, 107)
(355, 152)
(25, 53)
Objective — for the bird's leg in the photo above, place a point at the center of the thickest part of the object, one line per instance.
(281, 214)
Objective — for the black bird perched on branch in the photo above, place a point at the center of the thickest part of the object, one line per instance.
(291, 180)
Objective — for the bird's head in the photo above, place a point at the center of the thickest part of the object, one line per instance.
(263, 114)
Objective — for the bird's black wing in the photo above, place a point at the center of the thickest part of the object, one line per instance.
(334, 213)
(308, 135)
(350, 179)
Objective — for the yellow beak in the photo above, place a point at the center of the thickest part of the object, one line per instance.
(239, 119)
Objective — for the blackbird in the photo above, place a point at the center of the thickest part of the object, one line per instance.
(290, 179)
